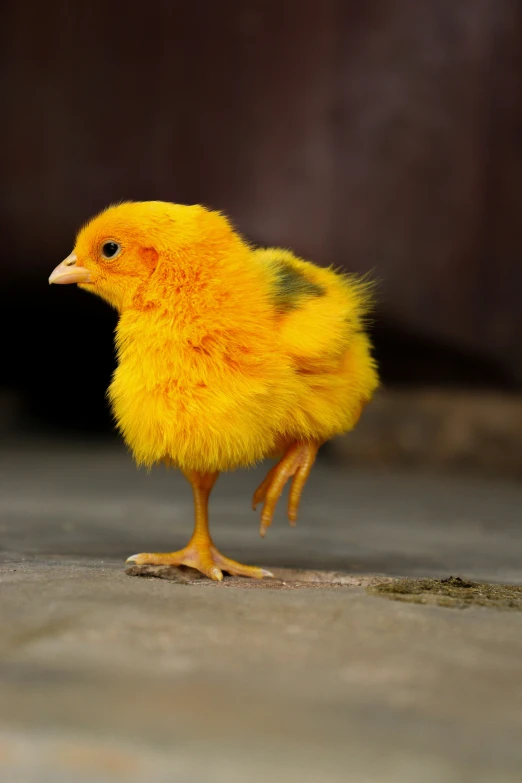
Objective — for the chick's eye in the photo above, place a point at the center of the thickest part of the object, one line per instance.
(110, 249)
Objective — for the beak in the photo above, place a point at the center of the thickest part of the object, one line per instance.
(68, 272)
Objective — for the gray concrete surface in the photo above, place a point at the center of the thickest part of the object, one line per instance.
(104, 677)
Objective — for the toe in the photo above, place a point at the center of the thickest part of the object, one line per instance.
(238, 569)
(143, 558)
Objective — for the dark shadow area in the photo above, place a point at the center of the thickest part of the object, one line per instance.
(407, 359)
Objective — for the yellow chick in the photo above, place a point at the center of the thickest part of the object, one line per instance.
(226, 355)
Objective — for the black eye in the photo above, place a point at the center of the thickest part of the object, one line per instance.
(110, 249)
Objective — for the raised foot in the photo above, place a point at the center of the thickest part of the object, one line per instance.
(297, 462)
(206, 559)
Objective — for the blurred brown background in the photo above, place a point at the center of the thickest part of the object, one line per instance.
(383, 136)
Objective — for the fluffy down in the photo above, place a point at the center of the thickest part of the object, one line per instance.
(225, 353)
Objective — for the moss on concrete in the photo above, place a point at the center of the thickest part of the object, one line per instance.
(453, 592)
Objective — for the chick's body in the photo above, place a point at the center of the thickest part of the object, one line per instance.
(226, 354)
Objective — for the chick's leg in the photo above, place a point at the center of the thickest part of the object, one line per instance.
(297, 462)
(200, 552)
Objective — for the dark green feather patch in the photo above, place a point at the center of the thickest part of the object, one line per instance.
(291, 285)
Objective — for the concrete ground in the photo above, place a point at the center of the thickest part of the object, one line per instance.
(105, 677)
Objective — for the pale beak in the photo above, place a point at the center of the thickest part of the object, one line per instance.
(68, 272)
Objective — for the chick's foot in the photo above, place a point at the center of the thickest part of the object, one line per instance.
(297, 462)
(200, 552)
(204, 557)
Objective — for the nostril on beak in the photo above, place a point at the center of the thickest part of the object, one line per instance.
(70, 260)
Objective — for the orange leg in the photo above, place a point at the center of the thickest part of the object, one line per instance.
(297, 462)
(200, 552)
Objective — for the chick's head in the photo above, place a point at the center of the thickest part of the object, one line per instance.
(117, 252)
